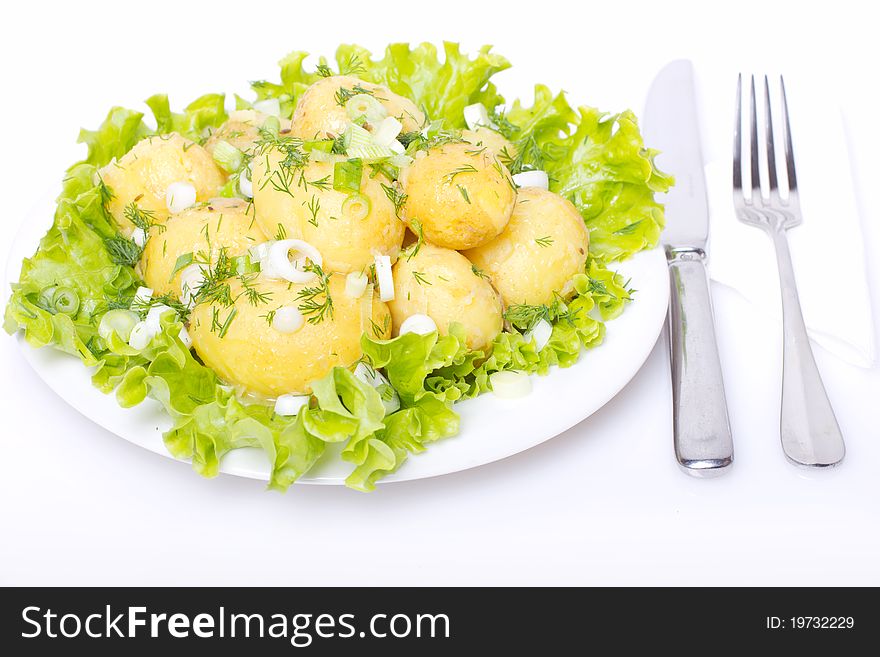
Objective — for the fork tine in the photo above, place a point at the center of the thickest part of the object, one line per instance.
(753, 140)
(789, 153)
(737, 138)
(771, 151)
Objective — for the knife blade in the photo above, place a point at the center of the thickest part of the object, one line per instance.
(701, 427)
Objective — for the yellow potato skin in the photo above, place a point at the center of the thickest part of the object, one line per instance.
(318, 115)
(227, 223)
(494, 141)
(524, 271)
(449, 291)
(346, 243)
(143, 174)
(436, 184)
(269, 363)
(241, 129)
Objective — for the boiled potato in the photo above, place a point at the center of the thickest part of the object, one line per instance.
(319, 114)
(255, 355)
(442, 284)
(482, 136)
(542, 248)
(348, 233)
(202, 231)
(143, 175)
(242, 130)
(459, 195)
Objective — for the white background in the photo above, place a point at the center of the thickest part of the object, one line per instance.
(601, 504)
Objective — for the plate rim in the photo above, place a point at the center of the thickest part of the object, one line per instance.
(251, 463)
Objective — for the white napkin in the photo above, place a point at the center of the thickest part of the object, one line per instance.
(827, 248)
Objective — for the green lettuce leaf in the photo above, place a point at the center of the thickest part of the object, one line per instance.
(294, 81)
(597, 161)
(196, 121)
(425, 415)
(121, 130)
(441, 89)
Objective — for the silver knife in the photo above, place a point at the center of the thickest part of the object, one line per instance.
(701, 428)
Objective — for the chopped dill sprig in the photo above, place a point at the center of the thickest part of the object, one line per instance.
(505, 127)
(316, 302)
(464, 193)
(142, 306)
(525, 316)
(421, 279)
(344, 94)
(254, 296)
(379, 331)
(479, 272)
(396, 196)
(314, 206)
(544, 241)
(416, 227)
(527, 155)
(215, 286)
(465, 168)
(354, 66)
(339, 147)
(476, 150)
(123, 251)
(221, 328)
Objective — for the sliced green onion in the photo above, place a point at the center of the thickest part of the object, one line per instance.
(347, 176)
(313, 145)
(230, 189)
(356, 136)
(400, 161)
(356, 284)
(387, 131)
(65, 301)
(356, 206)
(120, 322)
(45, 298)
(370, 153)
(272, 125)
(228, 157)
(321, 156)
(510, 385)
(181, 263)
(270, 106)
(244, 265)
(366, 106)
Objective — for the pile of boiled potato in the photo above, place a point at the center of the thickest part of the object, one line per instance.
(453, 239)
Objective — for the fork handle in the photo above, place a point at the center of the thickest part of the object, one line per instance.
(701, 429)
(808, 428)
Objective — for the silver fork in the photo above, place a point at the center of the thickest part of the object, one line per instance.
(809, 431)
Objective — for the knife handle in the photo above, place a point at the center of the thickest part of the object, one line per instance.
(701, 428)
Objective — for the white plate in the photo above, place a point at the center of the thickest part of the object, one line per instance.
(491, 428)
